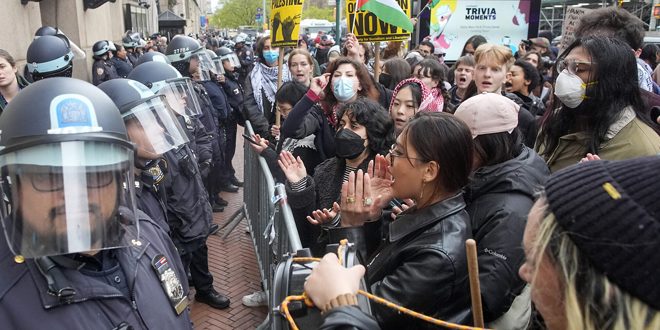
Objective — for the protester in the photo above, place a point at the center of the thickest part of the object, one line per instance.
(260, 88)
(421, 262)
(409, 97)
(600, 109)
(463, 71)
(432, 74)
(506, 175)
(472, 44)
(10, 81)
(523, 78)
(363, 131)
(301, 66)
(344, 81)
(394, 70)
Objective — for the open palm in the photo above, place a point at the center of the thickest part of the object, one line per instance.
(381, 181)
(293, 168)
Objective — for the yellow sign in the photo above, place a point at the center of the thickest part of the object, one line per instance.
(285, 22)
(368, 28)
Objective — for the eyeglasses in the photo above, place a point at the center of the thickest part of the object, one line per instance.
(47, 182)
(441, 55)
(301, 65)
(393, 153)
(573, 66)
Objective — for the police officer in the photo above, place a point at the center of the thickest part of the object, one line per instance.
(130, 41)
(234, 92)
(189, 212)
(153, 57)
(71, 257)
(49, 56)
(154, 130)
(120, 61)
(246, 58)
(102, 69)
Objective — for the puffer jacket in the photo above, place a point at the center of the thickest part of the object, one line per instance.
(420, 264)
(498, 200)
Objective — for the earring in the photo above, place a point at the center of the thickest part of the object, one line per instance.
(421, 194)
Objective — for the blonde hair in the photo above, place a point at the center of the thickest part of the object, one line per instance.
(303, 52)
(591, 301)
(497, 53)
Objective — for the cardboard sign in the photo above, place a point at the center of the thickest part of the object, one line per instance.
(368, 28)
(571, 20)
(285, 22)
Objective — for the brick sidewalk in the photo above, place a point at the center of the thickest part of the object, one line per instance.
(234, 267)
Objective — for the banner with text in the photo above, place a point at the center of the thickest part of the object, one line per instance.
(368, 28)
(285, 22)
(502, 22)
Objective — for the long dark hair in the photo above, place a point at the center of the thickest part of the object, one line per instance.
(368, 88)
(398, 69)
(617, 88)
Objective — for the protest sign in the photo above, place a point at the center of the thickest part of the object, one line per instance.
(285, 22)
(368, 28)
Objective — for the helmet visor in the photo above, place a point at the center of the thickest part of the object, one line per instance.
(153, 127)
(206, 63)
(218, 65)
(68, 197)
(181, 97)
(233, 59)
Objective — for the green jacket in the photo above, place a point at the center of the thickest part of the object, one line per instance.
(627, 138)
(22, 83)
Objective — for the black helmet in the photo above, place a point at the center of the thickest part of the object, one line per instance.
(181, 48)
(45, 31)
(65, 136)
(164, 79)
(213, 42)
(153, 57)
(49, 56)
(101, 48)
(222, 51)
(139, 105)
(227, 54)
(131, 39)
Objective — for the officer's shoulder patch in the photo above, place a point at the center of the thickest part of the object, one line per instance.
(100, 71)
(248, 53)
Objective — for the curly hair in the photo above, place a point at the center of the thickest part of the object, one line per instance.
(379, 125)
(612, 22)
(368, 88)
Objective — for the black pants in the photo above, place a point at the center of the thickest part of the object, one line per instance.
(198, 262)
(230, 147)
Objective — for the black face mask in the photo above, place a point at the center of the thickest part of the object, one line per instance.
(348, 145)
(385, 79)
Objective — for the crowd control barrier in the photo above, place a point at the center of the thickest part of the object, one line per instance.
(270, 219)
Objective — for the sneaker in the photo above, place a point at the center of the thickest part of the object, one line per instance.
(255, 299)
(213, 299)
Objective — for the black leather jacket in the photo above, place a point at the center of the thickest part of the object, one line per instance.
(419, 264)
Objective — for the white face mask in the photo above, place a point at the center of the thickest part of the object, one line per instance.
(570, 89)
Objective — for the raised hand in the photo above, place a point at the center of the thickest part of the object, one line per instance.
(381, 181)
(357, 202)
(319, 83)
(293, 168)
(321, 217)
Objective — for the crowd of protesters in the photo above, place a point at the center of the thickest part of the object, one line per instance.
(545, 158)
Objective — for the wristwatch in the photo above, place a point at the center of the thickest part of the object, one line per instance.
(340, 300)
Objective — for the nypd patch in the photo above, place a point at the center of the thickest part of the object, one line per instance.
(72, 113)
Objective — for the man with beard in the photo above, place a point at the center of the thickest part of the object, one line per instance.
(71, 256)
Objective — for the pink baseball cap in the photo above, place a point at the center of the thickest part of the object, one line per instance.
(488, 113)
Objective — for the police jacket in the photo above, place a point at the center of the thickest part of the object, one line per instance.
(498, 200)
(234, 93)
(209, 119)
(199, 140)
(103, 71)
(218, 99)
(133, 57)
(420, 263)
(123, 67)
(26, 303)
(150, 199)
(189, 213)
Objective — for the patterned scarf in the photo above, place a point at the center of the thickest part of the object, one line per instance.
(264, 80)
(432, 100)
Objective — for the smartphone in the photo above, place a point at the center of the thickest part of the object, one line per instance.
(249, 138)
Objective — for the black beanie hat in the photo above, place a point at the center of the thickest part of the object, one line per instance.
(611, 211)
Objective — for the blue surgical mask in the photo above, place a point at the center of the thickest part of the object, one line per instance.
(343, 89)
(271, 56)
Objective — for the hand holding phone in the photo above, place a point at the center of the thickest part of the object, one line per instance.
(250, 139)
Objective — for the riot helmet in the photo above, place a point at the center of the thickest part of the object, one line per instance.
(228, 58)
(163, 79)
(180, 50)
(45, 31)
(66, 169)
(100, 48)
(130, 39)
(51, 31)
(150, 122)
(49, 56)
(153, 57)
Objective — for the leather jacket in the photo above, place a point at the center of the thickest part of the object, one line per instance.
(420, 264)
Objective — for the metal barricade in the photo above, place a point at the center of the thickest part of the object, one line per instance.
(270, 219)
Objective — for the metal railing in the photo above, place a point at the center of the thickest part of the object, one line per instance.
(269, 215)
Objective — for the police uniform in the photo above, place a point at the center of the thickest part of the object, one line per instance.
(133, 57)
(123, 67)
(213, 100)
(139, 286)
(103, 70)
(246, 57)
(234, 92)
